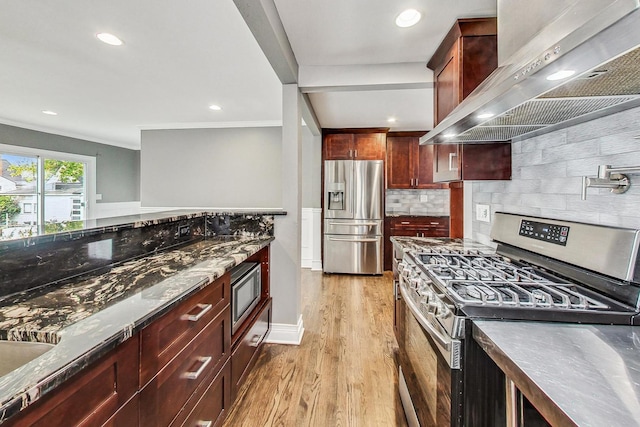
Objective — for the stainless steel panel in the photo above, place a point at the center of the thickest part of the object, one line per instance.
(608, 250)
(368, 189)
(407, 403)
(338, 189)
(352, 254)
(361, 227)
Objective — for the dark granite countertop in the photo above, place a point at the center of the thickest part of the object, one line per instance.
(91, 315)
(422, 244)
(584, 375)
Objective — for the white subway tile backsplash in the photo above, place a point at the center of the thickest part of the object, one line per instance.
(408, 202)
(548, 170)
(577, 150)
(536, 171)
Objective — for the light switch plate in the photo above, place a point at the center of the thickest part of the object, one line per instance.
(483, 213)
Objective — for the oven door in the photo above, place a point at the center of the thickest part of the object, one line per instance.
(430, 389)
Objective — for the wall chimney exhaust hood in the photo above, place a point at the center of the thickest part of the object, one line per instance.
(599, 40)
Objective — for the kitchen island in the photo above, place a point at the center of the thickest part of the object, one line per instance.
(89, 315)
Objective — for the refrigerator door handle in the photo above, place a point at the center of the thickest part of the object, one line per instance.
(337, 239)
(355, 224)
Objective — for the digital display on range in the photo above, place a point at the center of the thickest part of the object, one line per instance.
(556, 234)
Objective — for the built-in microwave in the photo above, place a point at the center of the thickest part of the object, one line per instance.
(245, 292)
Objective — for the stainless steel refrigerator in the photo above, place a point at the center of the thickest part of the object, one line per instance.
(353, 216)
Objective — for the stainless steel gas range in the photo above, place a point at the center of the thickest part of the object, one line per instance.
(542, 270)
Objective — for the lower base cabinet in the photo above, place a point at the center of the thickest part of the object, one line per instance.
(181, 370)
(245, 352)
(93, 396)
(213, 406)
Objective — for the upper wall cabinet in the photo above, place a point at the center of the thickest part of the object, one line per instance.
(455, 162)
(466, 56)
(409, 165)
(354, 144)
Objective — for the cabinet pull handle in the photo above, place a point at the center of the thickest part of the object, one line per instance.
(190, 375)
(255, 340)
(355, 155)
(204, 308)
(204, 423)
(435, 223)
(451, 156)
(416, 182)
(405, 222)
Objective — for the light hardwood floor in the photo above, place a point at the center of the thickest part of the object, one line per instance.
(342, 374)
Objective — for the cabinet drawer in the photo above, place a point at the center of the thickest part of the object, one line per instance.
(127, 416)
(163, 398)
(92, 397)
(419, 222)
(167, 336)
(247, 349)
(212, 407)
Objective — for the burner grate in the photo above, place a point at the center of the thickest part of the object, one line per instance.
(492, 280)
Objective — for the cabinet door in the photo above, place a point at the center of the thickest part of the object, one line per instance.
(400, 162)
(91, 397)
(369, 146)
(447, 85)
(338, 146)
(486, 161)
(423, 167)
(446, 162)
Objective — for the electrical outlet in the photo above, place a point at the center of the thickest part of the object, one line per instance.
(184, 230)
(483, 213)
(424, 198)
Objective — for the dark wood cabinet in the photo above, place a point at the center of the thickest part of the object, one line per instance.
(354, 144)
(248, 347)
(93, 396)
(455, 162)
(409, 164)
(466, 56)
(411, 226)
(167, 336)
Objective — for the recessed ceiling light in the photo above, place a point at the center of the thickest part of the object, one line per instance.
(109, 39)
(215, 107)
(391, 119)
(485, 115)
(49, 112)
(408, 18)
(562, 74)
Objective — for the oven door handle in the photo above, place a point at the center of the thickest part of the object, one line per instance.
(433, 332)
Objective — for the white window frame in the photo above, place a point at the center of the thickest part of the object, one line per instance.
(90, 172)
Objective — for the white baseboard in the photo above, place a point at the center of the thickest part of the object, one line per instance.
(316, 265)
(285, 333)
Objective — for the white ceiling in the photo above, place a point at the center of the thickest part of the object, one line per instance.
(357, 66)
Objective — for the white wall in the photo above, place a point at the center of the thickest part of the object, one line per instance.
(223, 168)
(311, 169)
(547, 173)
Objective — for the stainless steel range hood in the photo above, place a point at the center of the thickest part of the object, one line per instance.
(598, 39)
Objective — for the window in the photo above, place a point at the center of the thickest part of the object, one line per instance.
(63, 184)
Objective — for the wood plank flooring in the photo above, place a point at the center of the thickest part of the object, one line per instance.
(342, 374)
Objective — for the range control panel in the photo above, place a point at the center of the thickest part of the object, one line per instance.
(556, 234)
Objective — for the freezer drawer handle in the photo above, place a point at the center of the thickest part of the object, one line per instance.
(354, 224)
(336, 239)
